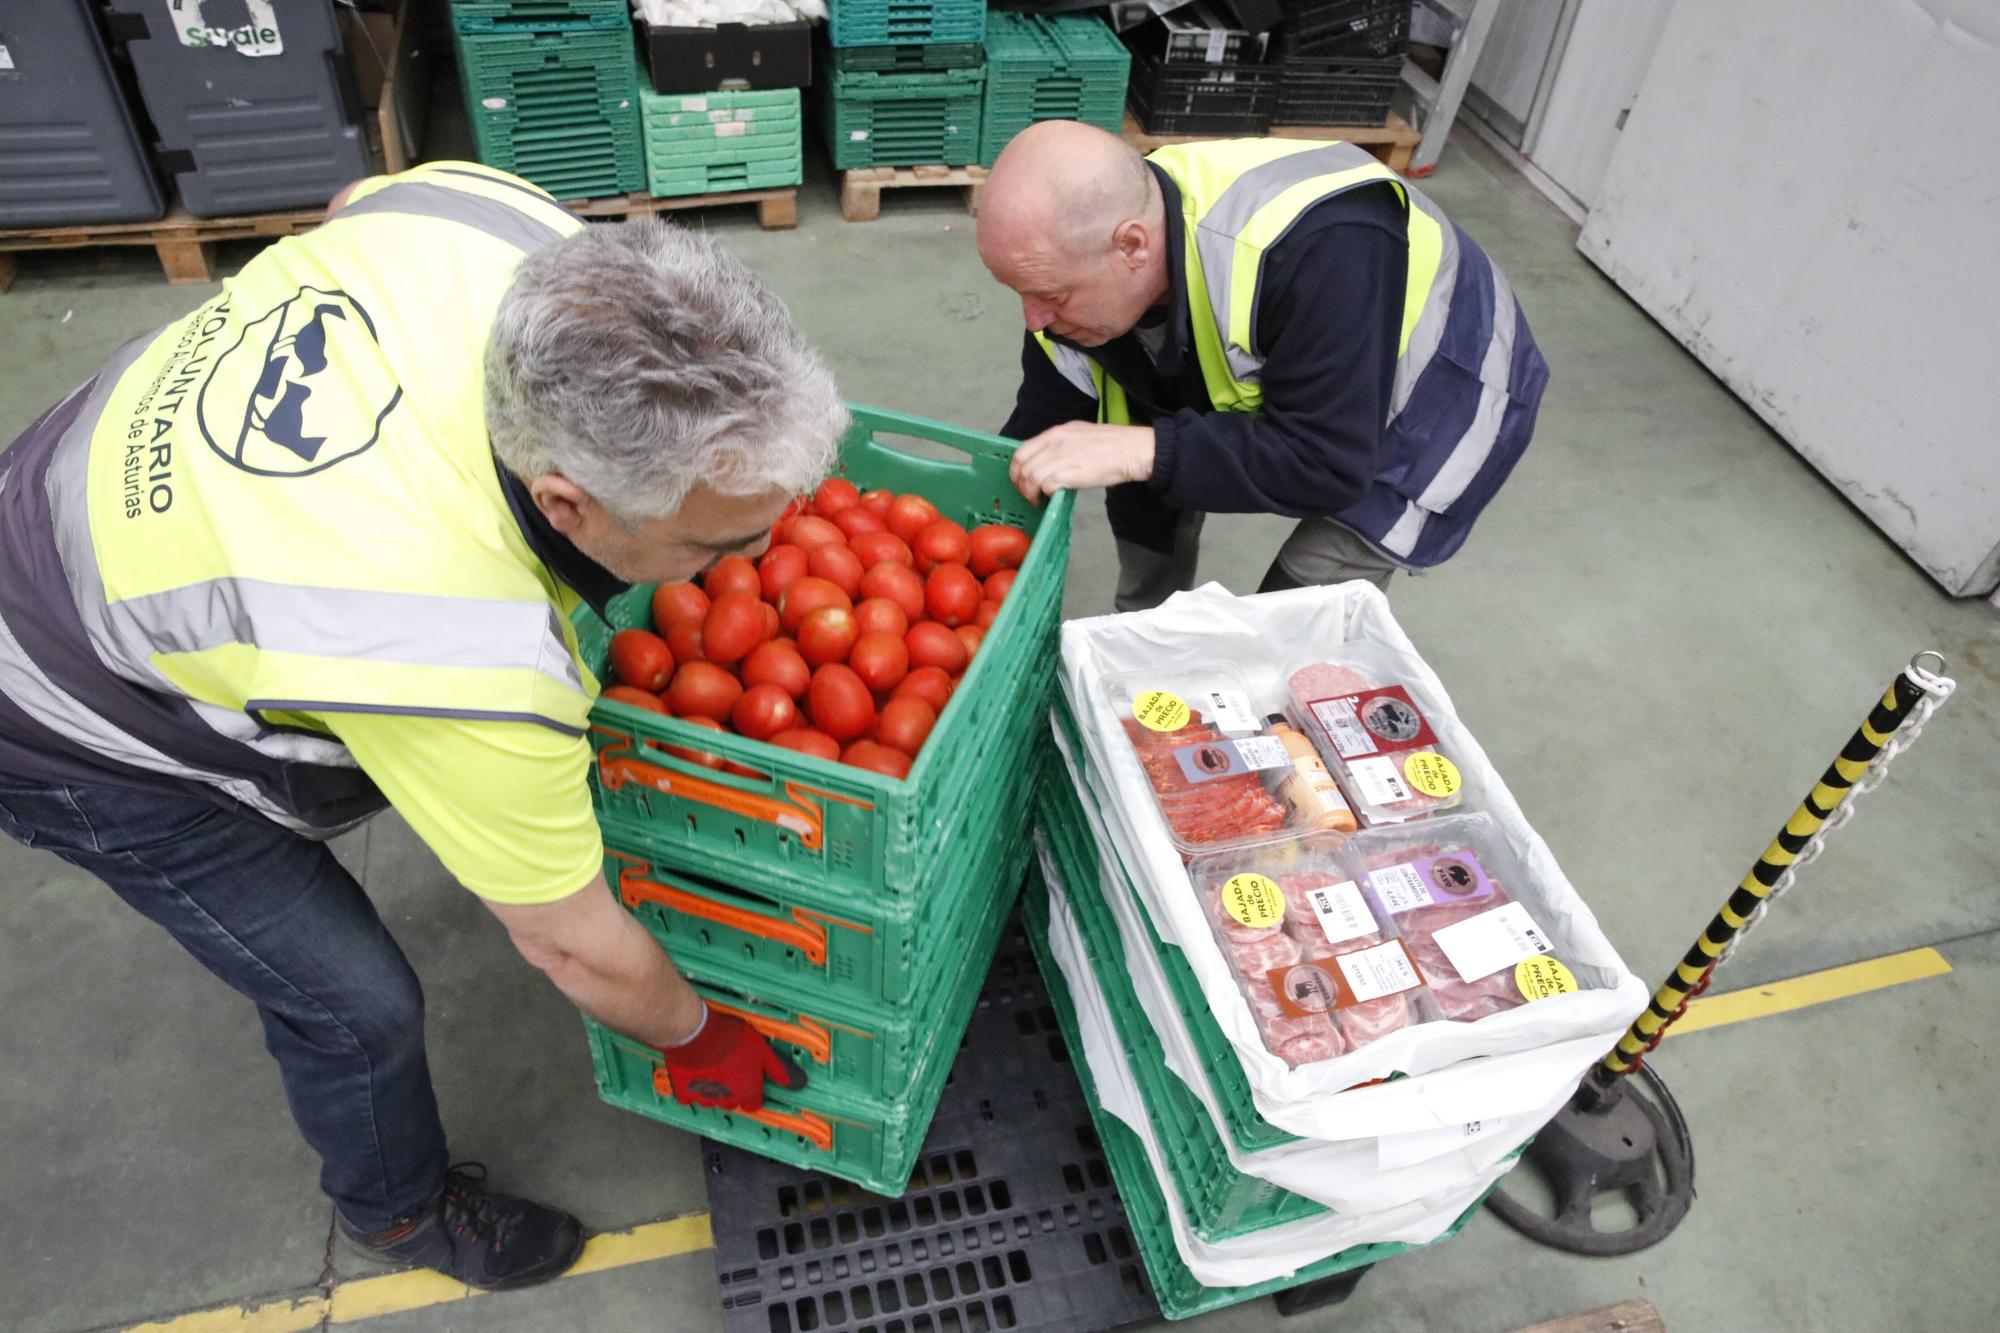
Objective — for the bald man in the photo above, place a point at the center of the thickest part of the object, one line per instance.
(1255, 326)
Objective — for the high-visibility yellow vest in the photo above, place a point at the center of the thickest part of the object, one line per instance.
(286, 504)
(1238, 197)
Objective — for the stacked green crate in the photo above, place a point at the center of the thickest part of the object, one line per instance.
(906, 22)
(909, 119)
(551, 92)
(1050, 67)
(847, 915)
(713, 143)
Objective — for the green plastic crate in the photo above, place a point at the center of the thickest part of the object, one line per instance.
(1179, 1294)
(724, 178)
(906, 22)
(872, 1143)
(861, 835)
(904, 59)
(873, 119)
(686, 115)
(885, 951)
(672, 138)
(478, 16)
(723, 152)
(1050, 67)
(556, 108)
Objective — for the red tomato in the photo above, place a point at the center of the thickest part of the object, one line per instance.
(693, 756)
(764, 711)
(906, 724)
(929, 683)
(877, 758)
(989, 611)
(999, 585)
(897, 583)
(858, 521)
(995, 547)
(908, 514)
(676, 602)
(828, 635)
(703, 689)
(880, 660)
(940, 542)
(641, 659)
(772, 625)
(781, 567)
(880, 615)
(809, 530)
(685, 639)
(876, 547)
(735, 625)
(626, 694)
(835, 494)
(972, 636)
(777, 663)
(951, 595)
(839, 703)
(808, 595)
(807, 741)
(931, 645)
(878, 502)
(837, 565)
(732, 573)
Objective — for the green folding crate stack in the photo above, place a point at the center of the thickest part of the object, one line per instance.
(714, 143)
(551, 92)
(901, 117)
(1050, 67)
(848, 916)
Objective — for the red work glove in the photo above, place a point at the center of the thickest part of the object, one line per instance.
(725, 1064)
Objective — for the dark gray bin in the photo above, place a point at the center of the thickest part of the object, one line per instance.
(69, 152)
(242, 133)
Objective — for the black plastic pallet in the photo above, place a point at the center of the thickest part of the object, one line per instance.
(1011, 1221)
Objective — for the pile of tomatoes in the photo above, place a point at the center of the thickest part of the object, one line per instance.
(844, 640)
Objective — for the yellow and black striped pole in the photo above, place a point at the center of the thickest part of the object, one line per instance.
(1831, 792)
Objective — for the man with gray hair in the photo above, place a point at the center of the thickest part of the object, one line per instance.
(1255, 326)
(312, 551)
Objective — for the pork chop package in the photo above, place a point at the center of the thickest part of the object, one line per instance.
(1320, 975)
(1432, 1075)
(1210, 762)
(1371, 721)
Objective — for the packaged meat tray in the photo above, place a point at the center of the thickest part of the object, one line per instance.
(1319, 973)
(1444, 886)
(1373, 728)
(1213, 766)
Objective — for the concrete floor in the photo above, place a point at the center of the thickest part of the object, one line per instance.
(1661, 632)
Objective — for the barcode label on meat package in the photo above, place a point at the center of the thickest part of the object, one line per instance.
(1383, 970)
(1380, 782)
(1342, 914)
(1482, 945)
(1228, 759)
(1373, 722)
(1230, 712)
(1343, 728)
(1399, 888)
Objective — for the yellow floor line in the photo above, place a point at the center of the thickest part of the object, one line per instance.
(1835, 983)
(393, 1293)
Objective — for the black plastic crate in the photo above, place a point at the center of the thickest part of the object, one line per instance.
(1204, 99)
(1011, 1220)
(1350, 91)
(1346, 27)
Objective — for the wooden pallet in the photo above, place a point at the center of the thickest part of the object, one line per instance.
(185, 244)
(1393, 142)
(777, 210)
(861, 187)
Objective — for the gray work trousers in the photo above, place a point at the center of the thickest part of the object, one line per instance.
(1319, 552)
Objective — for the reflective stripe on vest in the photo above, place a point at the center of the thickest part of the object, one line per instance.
(287, 503)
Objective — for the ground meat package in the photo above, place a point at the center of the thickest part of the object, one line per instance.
(1371, 722)
(1436, 1074)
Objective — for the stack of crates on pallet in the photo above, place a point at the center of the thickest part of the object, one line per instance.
(714, 143)
(904, 84)
(847, 915)
(1245, 1176)
(1197, 71)
(551, 91)
(1050, 67)
(1340, 62)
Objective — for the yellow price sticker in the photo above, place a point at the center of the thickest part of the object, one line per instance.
(1254, 900)
(1542, 977)
(1160, 710)
(1431, 773)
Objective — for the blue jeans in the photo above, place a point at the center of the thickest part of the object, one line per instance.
(276, 917)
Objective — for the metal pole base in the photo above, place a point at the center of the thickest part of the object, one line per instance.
(1619, 1140)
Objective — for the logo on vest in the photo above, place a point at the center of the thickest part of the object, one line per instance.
(304, 387)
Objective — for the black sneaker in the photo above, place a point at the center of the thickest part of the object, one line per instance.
(485, 1240)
